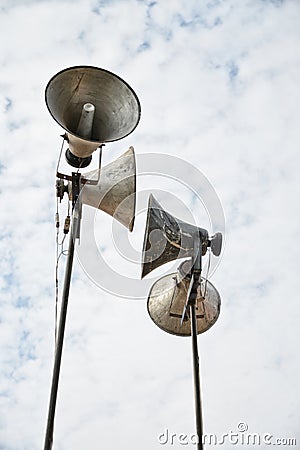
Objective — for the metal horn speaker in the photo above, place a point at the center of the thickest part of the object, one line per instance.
(115, 191)
(168, 297)
(168, 238)
(93, 105)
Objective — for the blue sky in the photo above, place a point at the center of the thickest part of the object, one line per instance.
(218, 83)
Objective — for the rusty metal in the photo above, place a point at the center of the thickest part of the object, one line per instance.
(115, 192)
(167, 299)
(167, 238)
(181, 303)
(117, 107)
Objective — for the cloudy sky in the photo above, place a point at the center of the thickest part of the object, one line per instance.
(218, 82)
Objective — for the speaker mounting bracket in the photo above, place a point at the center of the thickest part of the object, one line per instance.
(66, 177)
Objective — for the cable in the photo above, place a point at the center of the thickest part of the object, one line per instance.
(60, 153)
(60, 251)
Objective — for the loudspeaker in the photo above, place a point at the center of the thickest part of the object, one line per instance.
(94, 106)
(167, 299)
(115, 191)
(168, 238)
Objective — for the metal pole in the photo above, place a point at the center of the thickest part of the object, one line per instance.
(199, 423)
(59, 345)
(196, 278)
(74, 233)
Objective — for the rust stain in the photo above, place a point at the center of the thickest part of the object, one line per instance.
(78, 84)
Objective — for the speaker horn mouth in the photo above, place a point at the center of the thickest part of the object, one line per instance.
(117, 107)
(167, 298)
(115, 192)
(173, 238)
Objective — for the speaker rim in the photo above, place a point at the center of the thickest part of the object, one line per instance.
(102, 70)
(166, 330)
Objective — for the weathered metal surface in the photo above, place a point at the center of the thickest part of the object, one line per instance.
(216, 244)
(117, 108)
(167, 299)
(115, 192)
(168, 238)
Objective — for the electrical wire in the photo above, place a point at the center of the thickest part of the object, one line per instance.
(59, 248)
(60, 153)
(60, 251)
